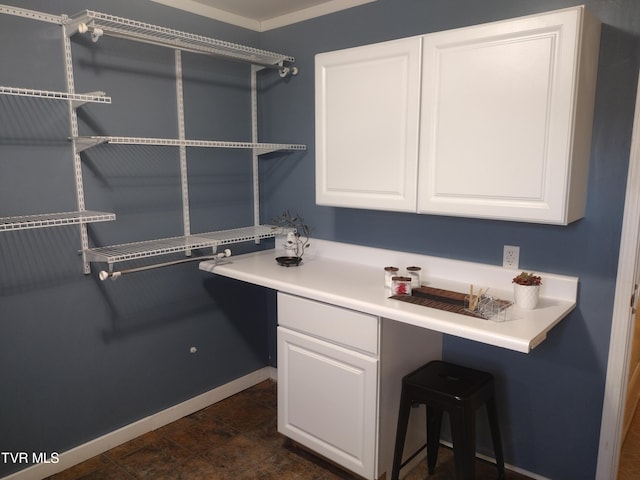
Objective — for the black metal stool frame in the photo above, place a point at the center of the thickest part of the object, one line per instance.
(460, 391)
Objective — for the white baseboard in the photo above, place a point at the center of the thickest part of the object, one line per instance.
(110, 440)
(129, 432)
(522, 471)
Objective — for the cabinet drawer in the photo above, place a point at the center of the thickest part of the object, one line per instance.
(336, 324)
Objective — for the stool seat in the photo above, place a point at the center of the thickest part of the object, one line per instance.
(460, 391)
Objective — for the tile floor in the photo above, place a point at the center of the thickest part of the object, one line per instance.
(233, 439)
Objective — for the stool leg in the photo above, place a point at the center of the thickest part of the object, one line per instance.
(434, 424)
(401, 432)
(463, 432)
(494, 425)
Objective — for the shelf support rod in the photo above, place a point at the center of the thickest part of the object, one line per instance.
(186, 216)
(254, 153)
(77, 162)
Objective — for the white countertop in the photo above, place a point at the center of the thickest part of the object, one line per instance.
(352, 277)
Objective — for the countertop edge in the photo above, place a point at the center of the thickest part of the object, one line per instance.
(259, 268)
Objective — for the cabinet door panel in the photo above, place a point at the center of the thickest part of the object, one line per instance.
(367, 121)
(498, 110)
(327, 400)
(490, 123)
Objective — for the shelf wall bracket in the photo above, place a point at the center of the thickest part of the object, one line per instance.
(76, 24)
(85, 143)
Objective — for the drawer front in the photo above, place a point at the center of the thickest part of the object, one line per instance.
(336, 324)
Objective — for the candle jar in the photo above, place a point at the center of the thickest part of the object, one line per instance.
(414, 273)
(401, 286)
(389, 273)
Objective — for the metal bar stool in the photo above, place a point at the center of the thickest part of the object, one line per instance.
(460, 391)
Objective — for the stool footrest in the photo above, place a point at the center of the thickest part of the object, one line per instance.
(413, 455)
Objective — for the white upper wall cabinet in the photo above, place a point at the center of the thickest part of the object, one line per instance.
(367, 123)
(504, 112)
(507, 110)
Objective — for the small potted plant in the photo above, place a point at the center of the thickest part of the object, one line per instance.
(526, 290)
(296, 235)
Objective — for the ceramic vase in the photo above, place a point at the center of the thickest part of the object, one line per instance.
(526, 296)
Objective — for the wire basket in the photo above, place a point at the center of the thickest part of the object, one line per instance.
(489, 308)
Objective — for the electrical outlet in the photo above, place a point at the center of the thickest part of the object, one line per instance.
(511, 257)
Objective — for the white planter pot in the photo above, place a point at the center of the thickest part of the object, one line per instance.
(526, 296)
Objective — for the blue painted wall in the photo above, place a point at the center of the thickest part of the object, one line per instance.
(551, 399)
(80, 358)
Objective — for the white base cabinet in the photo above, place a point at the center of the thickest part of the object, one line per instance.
(330, 400)
(504, 112)
(339, 380)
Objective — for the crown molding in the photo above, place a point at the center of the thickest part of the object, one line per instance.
(325, 8)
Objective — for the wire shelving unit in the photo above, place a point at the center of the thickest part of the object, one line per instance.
(96, 25)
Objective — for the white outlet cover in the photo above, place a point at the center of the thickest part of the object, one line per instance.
(511, 257)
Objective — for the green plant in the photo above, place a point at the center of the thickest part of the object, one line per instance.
(525, 278)
(302, 231)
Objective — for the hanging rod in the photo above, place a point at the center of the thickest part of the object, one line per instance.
(103, 275)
